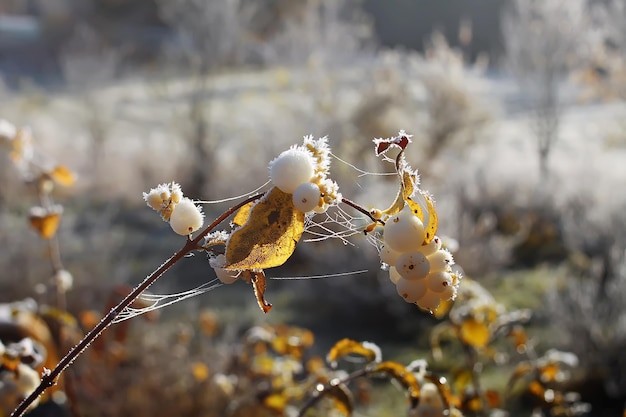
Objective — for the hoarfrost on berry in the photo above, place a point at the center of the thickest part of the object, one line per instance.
(441, 260)
(292, 168)
(186, 217)
(437, 281)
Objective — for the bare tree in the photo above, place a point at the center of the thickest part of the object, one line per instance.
(543, 38)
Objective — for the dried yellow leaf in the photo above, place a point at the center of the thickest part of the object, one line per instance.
(200, 371)
(419, 201)
(45, 222)
(443, 309)
(549, 372)
(269, 236)
(474, 333)
(62, 175)
(402, 375)
(258, 283)
(346, 346)
(276, 402)
(241, 217)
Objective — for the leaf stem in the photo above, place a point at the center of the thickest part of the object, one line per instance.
(49, 377)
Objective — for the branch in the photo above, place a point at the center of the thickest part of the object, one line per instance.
(49, 377)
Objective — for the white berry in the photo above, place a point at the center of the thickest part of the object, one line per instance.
(432, 247)
(186, 217)
(394, 276)
(448, 293)
(440, 260)
(306, 197)
(404, 232)
(412, 265)
(429, 301)
(411, 291)
(388, 255)
(291, 168)
(438, 281)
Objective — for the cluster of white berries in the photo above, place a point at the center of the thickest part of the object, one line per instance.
(303, 172)
(182, 214)
(422, 273)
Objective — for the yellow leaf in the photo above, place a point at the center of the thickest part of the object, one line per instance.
(269, 236)
(315, 365)
(242, 214)
(423, 206)
(45, 222)
(519, 337)
(473, 403)
(419, 201)
(402, 375)
(537, 388)
(200, 371)
(62, 175)
(276, 402)
(344, 347)
(549, 372)
(474, 333)
(443, 309)
(462, 380)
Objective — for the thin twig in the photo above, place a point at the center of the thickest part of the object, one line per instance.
(362, 210)
(49, 377)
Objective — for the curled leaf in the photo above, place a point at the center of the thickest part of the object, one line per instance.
(402, 375)
(259, 285)
(419, 201)
(269, 236)
(423, 202)
(344, 347)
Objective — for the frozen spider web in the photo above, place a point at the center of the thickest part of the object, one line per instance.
(158, 301)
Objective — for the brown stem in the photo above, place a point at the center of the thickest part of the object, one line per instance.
(49, 378)
(361, 209)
